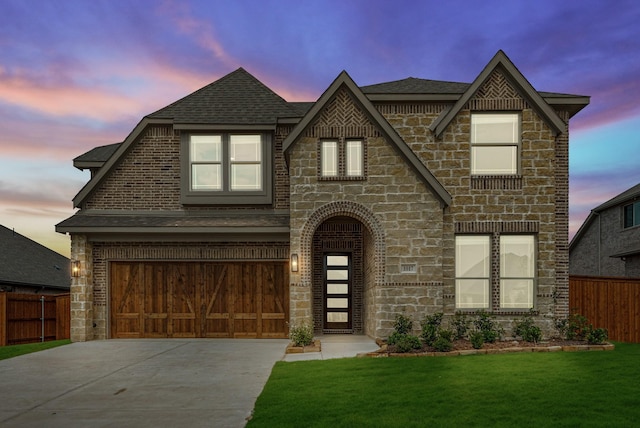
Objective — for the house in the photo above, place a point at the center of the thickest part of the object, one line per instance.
(234, 213)
(28, 267)
(608, 242)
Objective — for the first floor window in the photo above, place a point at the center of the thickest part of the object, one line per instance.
(495, 141)
(473, 271)
(517, 271)
(515, 263)
(631, 214)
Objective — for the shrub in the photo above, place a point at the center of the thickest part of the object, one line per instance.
(577, 327)
(430, 325)
(394, 338)
(477, 339)
(407, 343)
(302, 334)
(442, 344)
(526, 329)
(597, 336)
(460, 325)
(487, 325)
(403, 324)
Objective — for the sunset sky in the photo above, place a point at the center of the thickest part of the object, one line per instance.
(75, 74)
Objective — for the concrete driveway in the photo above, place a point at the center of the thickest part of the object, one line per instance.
(138, 383)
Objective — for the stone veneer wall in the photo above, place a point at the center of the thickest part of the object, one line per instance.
(104, 252)
(402, 219)
(535, 201)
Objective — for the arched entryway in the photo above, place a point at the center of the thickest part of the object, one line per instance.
(339, 229)
(338, 276)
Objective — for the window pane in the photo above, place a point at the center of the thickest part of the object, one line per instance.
(337, 303)
(206, 148)
(516, 293)
(354, 158)
(329, 159)
(472, 256)
(636, 213)
(494, 160)
(246, 177)
(245, 148)
(472, 293)
(494, 128)
(337, 260)
(517, 256)
(337, 317)
(628, 215)
(206, 177)
(337, 274)
(337, 288)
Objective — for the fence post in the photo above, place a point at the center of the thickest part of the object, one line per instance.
(3, 319)
(42, 318)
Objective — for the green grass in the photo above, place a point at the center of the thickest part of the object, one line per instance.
(560, 389)
(15, 350)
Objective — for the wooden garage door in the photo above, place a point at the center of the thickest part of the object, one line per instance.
(192, 299)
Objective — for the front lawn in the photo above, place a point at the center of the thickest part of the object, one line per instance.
(15, 350)
(577, 389)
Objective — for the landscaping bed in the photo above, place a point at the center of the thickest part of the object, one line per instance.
(464, 347)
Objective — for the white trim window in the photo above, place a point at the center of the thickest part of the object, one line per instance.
(473, 271)
(495, 143)
(340, 159)
(517, 271)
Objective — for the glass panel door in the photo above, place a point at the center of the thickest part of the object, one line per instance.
(337, 291)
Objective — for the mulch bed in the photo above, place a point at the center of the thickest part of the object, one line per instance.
(464, 347)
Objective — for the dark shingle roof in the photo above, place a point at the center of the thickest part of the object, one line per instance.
(23, 261)
(96, 156)
(223, 220)
(236, 99)
(412, 85)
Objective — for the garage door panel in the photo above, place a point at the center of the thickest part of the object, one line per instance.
(199, 299)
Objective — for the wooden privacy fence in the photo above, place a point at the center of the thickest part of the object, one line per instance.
(611, 303)
(26, 318)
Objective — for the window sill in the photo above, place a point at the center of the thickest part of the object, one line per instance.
(226, 199)
(342, 178)
(496, 182)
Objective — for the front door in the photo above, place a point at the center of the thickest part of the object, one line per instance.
(337, 291)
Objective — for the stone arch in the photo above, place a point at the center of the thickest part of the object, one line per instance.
(347, 209)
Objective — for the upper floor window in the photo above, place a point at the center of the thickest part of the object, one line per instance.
(495, 141)
(341, 159)
(226, 168)
(631, 214)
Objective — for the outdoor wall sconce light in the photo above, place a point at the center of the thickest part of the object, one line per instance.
(75, 268)
(294, 263)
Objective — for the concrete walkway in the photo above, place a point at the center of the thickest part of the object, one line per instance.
(149, 382)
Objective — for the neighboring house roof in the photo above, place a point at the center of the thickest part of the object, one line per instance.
(25, 262)
(344, 80)
(96, 157)
(628, 195)
(521, 84)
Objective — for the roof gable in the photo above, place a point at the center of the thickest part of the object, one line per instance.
(236, 99)
(344, 81)
(517, 80)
